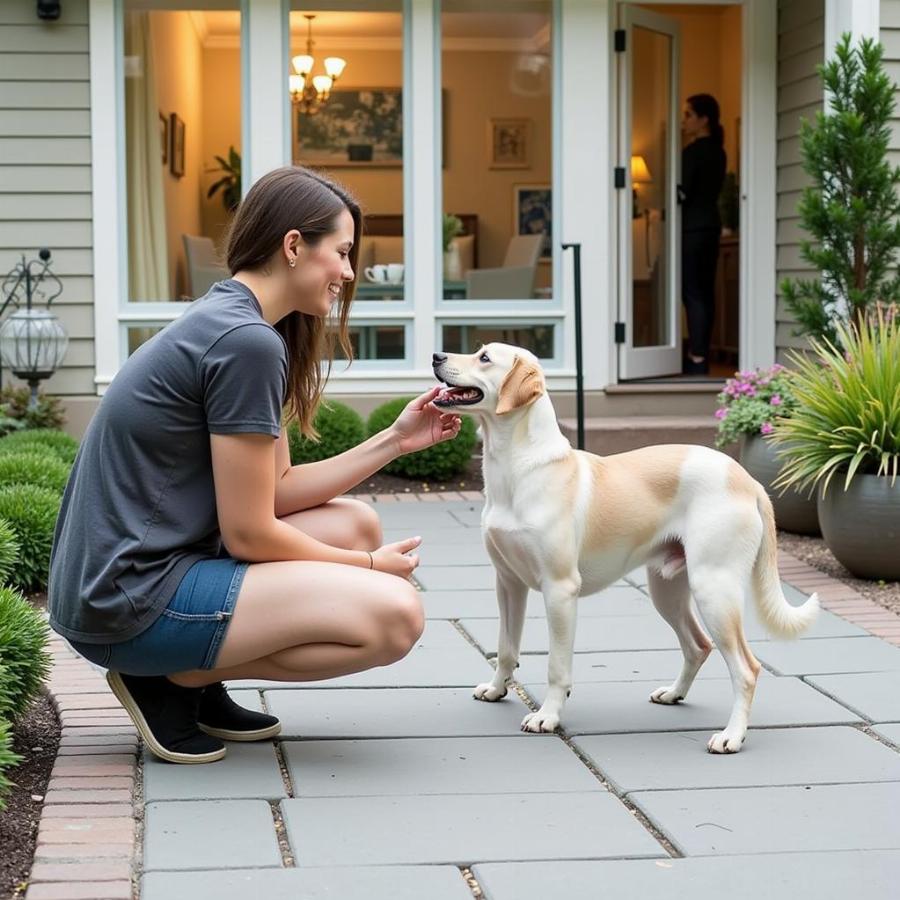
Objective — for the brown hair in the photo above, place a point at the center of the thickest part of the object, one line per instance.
(288, 198)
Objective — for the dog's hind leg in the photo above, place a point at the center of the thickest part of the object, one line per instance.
(719, 597)
(672, 599)
(512, 597)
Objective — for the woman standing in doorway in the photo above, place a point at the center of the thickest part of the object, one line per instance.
(188, 551)
(702, 174)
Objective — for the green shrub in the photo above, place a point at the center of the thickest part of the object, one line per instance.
(439, 462)
(42, 469)
(9, 554)
(23, 651)
(339, 427)
(48, 413)
(8, 425)
(62, 444)
(8, 759)
(32, 512)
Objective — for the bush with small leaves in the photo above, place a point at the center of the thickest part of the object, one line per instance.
(62, 444)
(339, 427)
(23, 651)
(44, 470)
(8, 759)
(9, 553)
(438, 462)
(31, 512)
(48, 414)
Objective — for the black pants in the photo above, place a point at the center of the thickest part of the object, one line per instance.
(699, 257)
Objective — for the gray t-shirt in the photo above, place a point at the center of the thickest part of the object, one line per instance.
(140, 507)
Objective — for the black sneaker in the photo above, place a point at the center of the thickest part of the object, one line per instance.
(165, 714)
(221, 717)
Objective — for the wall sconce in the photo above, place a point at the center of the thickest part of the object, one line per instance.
(640, 174)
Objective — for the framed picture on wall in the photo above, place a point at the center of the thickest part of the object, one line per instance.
(164, 138)
(509, 143)
(533, 212)
(176, 153)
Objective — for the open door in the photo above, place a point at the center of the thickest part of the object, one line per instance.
(648, 171)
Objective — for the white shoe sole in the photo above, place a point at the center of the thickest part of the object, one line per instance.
(225, 734)
(124, 697)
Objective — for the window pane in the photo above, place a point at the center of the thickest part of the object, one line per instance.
(139, 334)
(497, 138)
(182, 113)
(351, 125)
(376, 342)
(468, 338)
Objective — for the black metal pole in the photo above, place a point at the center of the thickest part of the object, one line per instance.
(579, 372)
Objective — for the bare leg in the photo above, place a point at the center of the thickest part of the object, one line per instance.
(672, 599)
(304, 621)
(512, 598)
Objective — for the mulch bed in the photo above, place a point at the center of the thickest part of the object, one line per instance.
(381, 483)
(36, 739)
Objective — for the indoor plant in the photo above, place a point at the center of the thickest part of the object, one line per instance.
(452, 226)
(749, 406)
(843, 439)
(230, 183)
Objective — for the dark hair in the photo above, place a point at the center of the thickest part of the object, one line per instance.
(285, 199)
(707, 105)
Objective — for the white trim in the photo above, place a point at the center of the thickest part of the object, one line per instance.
(110, 276)
(862, 18)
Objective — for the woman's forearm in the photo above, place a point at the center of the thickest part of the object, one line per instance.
(312, 484)
(281, 542)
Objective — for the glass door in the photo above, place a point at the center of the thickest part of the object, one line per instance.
(649, 216)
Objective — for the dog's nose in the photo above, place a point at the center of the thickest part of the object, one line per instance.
(438, 358)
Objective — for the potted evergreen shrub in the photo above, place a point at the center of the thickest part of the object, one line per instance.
(843, 439)
(749, 406)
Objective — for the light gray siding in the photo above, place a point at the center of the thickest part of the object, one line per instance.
(801, 31)
(890, 38)
(45, 166)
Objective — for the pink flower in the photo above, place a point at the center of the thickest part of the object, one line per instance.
(775, 400)
(721, 413)
(766, 428)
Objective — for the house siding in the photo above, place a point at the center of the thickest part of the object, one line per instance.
(801, 32)
(45, 167)
(889, 34)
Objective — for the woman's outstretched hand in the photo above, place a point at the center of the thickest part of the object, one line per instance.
(422, 424)
(392, 558)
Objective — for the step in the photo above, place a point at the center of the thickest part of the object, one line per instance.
(616, 434)
(644, 399)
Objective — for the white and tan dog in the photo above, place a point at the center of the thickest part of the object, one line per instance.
(568, 523)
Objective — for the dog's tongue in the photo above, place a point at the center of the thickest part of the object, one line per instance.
(444, 394)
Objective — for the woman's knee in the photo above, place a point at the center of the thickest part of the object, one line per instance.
(366, 524)
(401, 622)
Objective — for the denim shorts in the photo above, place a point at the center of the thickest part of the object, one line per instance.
(189, 631)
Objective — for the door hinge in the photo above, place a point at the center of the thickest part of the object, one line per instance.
(619, 40)
(620, 332)
(619, 176)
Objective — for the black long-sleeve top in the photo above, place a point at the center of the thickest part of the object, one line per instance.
(702, 174)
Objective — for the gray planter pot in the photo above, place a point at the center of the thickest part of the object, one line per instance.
(794, 512)
(861, 525)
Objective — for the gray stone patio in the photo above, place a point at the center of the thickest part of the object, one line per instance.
(387, 784)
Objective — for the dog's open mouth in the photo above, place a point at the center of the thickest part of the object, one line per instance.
(453, 395)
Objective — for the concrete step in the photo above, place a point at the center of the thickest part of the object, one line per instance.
(616, 434)
(643, 399)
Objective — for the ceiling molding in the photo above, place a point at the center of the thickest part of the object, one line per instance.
(323, 47)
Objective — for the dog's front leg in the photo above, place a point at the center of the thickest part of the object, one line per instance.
(512, 597)
(560, 599)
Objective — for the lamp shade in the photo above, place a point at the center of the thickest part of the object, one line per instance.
(334, 65)
(640, 174)
(322, 84)
(33, 343)
(303, 64)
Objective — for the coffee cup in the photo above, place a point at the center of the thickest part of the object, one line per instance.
(395, 273)
(378, 273)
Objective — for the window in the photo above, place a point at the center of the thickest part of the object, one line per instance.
(539, 339)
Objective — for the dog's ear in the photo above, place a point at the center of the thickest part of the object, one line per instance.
(523, 385)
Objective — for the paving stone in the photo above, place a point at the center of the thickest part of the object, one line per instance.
(464, 829)
(372, 712)
(452, 578)
(442, 536)
(771, 756)
(890, 732)
(209, 834)
(80, 890)
(619, 707)
(875, 695)
(248, 770)
(871, 874)
(419, 767)
(111, 870)
(827, 625)
(350, 883)
(661, 666)
(777, 819)
(828, 655)
(435, 552)
(459, 604)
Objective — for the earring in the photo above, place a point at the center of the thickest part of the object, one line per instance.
(292, 263)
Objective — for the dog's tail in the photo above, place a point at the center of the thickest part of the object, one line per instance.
(777, 614)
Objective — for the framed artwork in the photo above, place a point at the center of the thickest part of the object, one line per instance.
(164, 138)
(176, 151)
(533, 213)
(509, 143)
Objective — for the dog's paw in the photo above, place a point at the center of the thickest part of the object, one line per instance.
(665, 695)
(489, 692)
(723, 742)
(539, 721)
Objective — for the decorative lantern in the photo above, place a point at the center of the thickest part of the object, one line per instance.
(33, 341)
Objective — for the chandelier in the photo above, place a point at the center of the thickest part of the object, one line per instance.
(308, 91)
